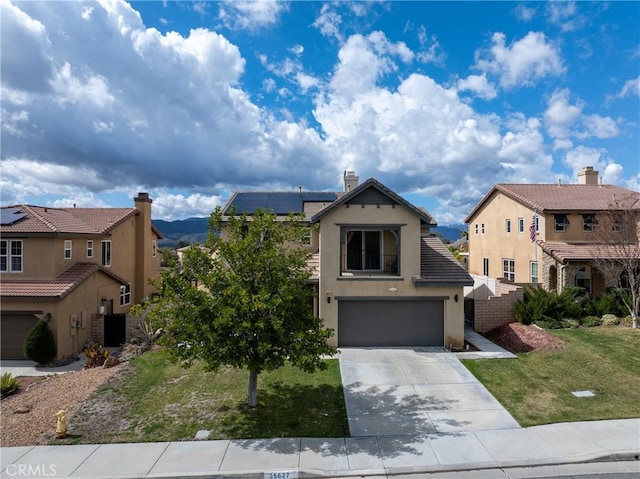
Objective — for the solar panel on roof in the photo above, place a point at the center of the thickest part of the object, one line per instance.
(281, 203)
(8, 216)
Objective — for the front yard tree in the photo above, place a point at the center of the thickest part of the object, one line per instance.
(617, 251)
(244, 300)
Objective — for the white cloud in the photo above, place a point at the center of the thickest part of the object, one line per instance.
(524, 13)
(479, 85)
(172, 206)
(522, 63)
(297, 49)
(565, 15)
(430, 50)
(251, 14)
(600, 126)
(581, 156)
(560, 115)
(631, 87)
(328, 22)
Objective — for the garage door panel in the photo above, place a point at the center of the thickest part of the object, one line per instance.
(13, 331)
(371, 323)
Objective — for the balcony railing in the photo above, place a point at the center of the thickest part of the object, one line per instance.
(370, 265)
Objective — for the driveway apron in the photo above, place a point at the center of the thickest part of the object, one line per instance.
(413, 392)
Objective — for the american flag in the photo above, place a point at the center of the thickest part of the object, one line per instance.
(532, 229)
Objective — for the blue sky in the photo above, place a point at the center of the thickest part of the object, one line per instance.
(193, 100)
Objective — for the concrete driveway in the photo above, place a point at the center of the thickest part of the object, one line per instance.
(415, 391)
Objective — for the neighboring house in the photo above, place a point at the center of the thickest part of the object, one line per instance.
(380, 277)
(546, 234)
(80, 269)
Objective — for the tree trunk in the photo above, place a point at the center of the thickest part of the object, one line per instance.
(253, 389)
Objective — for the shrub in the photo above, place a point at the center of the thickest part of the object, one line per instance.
(570, 323)
(628, 320)
(540, 305)
(8, 384)
(40, 346)
(145, 334)
(611, 303)
(591, 321)
(610, 320)
(96, 355)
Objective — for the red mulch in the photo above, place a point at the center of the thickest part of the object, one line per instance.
(519, 338)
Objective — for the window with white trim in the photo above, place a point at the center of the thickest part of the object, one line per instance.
(482, 227)
(476, 228)
(67, 249)
(11, 256)
(485, 266)
(509, 269)
(125, 294)
(520, 225)
(534, 271)
(507, 225)
(89, 248)
(106, 253)
(154, 248)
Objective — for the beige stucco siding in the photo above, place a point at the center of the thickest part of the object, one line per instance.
(333, 285)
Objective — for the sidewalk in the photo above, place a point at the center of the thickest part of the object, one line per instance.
(289, 458)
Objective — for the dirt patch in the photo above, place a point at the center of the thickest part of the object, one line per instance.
(520, 338)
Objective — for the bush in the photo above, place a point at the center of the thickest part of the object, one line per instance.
(40, 346)
(611, 303)
(570, 323)
(591, 321)
(8, 384)
(541, 305)
(96, 356)
(610, 320)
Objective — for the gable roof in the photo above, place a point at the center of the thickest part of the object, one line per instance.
(83, 221)
(56, 288)
(555, 197)
(280, 202)
(438, 266)
(379, 187)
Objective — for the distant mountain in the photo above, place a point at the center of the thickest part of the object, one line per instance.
(194, 230)
(191, 230)
(450, 232)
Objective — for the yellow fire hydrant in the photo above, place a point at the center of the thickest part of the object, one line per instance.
(61, 426)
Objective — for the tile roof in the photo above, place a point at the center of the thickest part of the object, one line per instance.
(280, 202)
(40, 219)
(565, 252)
(56, 288)
(573, 197)
(438, 266)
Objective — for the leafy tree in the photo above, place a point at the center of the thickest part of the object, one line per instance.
(246, 303)
(40, 345)
(617, 250)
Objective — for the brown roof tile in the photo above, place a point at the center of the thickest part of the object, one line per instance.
(565, 252)
(40, 219)
(56, 288)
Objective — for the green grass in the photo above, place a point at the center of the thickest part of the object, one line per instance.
(536, 388)
(171, 403)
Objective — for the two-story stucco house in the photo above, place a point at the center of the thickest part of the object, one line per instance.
(547, 234)
(80, 269)
(380, 277)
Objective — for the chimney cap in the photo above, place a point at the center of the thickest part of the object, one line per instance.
(142, 196)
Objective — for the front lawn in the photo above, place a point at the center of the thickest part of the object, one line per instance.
(536, 388)
(157, 400)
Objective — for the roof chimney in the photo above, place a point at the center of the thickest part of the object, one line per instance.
(350, 181)
(588, 176)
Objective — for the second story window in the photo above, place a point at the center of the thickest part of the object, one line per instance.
(507, 226)
(482, 227)
(106, 253)
(476, 228)
(125, 294)
(89, 248)
(11, 256)
(561, 223)
(589, 222)
(154, 248)
(67, 249)
(520, 225)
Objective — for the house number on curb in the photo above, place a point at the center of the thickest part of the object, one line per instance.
(281, 475)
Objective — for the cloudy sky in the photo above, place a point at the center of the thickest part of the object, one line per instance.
(193, 100)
